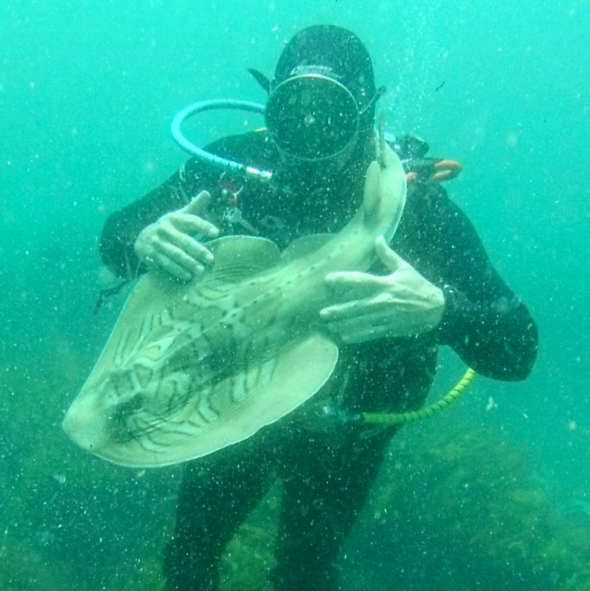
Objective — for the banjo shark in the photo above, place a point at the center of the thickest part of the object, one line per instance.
(192, 368)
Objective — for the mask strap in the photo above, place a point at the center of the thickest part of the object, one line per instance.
(381, 92)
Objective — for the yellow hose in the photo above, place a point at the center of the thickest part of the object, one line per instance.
(395, 418)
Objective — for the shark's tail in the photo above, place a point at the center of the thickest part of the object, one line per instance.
(385, 192)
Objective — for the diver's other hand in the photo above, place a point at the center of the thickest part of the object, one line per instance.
(402, 304)
(172, 242)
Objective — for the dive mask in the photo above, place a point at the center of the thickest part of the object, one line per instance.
(312, 117)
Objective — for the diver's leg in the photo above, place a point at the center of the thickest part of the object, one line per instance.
(216, 495)
(321, 501)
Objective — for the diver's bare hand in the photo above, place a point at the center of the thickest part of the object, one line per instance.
(173, 242)
(401, 304)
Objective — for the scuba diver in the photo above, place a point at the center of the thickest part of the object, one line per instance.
(433, 286)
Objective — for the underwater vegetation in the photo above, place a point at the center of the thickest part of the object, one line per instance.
(452, 511)
(466, 510)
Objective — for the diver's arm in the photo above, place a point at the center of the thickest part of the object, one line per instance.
(484, 321)
(122, 227)
(174, 243)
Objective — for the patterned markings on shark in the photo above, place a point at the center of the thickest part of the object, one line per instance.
(192, 368)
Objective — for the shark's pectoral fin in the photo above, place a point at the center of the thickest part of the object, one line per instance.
(238, 258)
(301, 369)
(259, 395)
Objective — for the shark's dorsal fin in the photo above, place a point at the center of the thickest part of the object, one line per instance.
(241, 257)
(301, 247)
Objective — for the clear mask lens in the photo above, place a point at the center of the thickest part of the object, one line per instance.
(312, 117)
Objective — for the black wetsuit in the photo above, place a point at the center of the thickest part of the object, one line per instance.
(326, 474)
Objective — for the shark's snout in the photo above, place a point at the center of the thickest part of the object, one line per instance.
(84, 425)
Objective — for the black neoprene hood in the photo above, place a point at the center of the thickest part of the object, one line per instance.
(334, 52)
